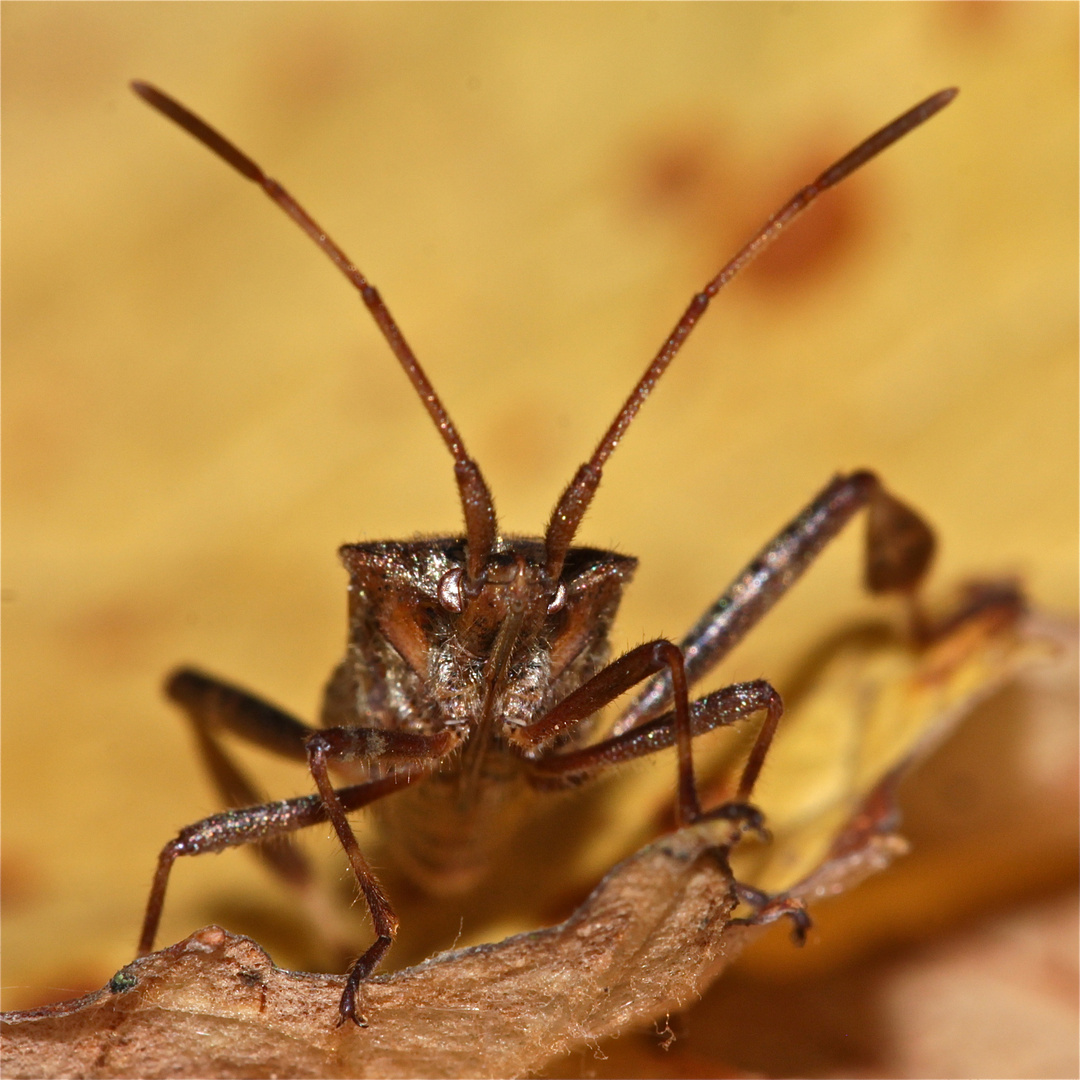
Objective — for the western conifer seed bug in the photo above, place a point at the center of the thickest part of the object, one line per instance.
(476, 666)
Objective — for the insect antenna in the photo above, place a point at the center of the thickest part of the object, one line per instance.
(481, 527)
(574, 502)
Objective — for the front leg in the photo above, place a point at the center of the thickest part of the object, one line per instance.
(603, 688)
(899, 548)
(409, 755)
(213, 706)
(676, 728)
(718, 709)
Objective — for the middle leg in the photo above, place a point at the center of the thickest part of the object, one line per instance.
(212, 706)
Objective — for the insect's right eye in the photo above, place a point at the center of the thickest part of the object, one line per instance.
(451, 595)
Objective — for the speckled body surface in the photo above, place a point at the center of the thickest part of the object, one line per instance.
(406, 668)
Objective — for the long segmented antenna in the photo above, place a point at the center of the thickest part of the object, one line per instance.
(481, 527)
(571, 507)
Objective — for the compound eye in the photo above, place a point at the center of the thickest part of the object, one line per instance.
(451, 595)
(558, 600)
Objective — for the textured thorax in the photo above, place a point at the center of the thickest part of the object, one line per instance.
(421, 656)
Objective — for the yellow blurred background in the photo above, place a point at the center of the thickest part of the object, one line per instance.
(197, 411)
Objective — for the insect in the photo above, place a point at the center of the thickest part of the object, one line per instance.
(477, 666)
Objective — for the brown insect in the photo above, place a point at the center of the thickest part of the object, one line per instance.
(476, 666)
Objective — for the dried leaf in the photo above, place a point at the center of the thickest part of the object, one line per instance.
(648, 939)
(876, 704)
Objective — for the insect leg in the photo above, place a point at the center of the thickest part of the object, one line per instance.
(604, 687)
(727, 706)
(252, 825)
(718, 709)
(212, 706)
(414, 755)
(767, 909)
(899, 548)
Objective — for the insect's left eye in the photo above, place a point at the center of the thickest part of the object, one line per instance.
(558, 600)
(451, 595)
